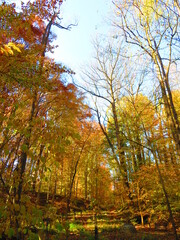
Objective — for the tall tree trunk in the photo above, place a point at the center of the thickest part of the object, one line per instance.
(171, 218)
(170, 110)
(37, 168)
(23, 157)
(25, 146)
(85, 183)
(74, 175)
(55, 186)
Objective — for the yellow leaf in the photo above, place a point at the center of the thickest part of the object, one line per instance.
(12, 45)
(8, 48)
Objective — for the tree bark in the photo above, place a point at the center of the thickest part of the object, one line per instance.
(171, 218)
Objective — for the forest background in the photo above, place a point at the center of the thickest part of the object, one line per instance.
(60, 154)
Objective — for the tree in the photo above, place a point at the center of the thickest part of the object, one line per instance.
(34, 99)
(107, 81)
(153, 27)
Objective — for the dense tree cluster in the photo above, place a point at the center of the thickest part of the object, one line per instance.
(44, 123)
(134, 83)
(58, 154)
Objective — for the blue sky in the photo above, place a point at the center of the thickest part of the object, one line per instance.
(75, 46)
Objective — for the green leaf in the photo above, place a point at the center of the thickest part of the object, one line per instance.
(6, 151)
(34, 236)
(25, 231)
(43, 159)
(24, 147)
(59, 227)
(10, 233)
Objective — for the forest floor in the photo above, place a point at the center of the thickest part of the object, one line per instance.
(115, 234)
(124, 236)
(108, 229)
(80, 225)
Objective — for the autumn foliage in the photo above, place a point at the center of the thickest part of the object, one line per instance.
(56, 157)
